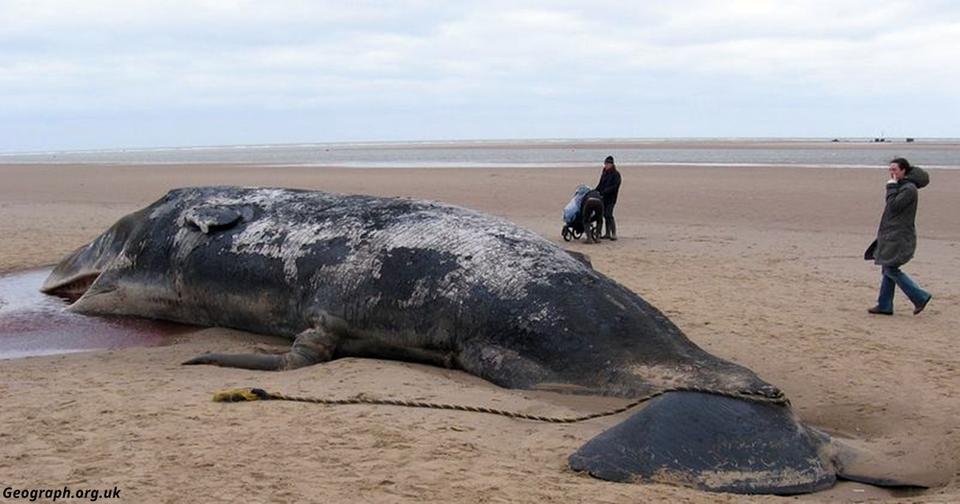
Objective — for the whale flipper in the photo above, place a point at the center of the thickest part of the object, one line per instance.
(311, 347)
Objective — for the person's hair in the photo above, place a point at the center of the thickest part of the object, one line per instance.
(610, 160)
(903, 164)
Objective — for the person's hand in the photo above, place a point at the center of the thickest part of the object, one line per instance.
(892, 181)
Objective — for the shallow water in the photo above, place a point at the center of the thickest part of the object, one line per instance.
(526, 153)
(33, 323)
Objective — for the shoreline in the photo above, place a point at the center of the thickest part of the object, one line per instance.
(518, 154)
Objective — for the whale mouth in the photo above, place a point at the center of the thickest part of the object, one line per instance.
(71, 288)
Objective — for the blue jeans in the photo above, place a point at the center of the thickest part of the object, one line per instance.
(892, 277)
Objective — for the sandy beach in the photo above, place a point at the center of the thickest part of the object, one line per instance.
(759, 265)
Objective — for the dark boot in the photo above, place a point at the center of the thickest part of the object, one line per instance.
(919, 307)
(611, 229)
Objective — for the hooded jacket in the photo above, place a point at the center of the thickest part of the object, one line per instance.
(897, 235)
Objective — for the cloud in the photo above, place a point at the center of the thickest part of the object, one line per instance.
(129, 57)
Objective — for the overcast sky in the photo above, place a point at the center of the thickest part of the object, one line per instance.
(123, 73)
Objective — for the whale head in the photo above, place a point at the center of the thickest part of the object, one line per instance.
(74, 276)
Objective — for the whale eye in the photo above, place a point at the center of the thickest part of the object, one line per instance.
(209, 219)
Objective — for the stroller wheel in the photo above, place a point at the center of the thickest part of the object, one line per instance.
(595, 231)
(566, 233)
(577, 234)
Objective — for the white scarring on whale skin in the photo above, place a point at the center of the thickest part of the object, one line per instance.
(479, 256)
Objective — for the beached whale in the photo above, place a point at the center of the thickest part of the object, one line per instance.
(349, 275)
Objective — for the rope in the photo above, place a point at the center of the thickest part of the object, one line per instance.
(257, 394)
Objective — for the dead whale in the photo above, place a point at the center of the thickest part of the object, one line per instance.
(352, 275)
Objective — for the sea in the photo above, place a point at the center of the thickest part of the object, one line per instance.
(720, 152)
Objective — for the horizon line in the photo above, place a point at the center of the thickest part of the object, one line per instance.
(494, 141)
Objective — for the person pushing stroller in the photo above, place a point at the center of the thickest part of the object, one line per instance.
(609, 187)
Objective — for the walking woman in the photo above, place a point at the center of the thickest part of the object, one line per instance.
(897, 237)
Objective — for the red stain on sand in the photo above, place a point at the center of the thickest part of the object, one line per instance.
(33, 323)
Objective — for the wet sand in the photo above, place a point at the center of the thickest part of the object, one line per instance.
(33, 323)
(758, 265)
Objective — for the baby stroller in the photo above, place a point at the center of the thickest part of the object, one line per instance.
(583, 215)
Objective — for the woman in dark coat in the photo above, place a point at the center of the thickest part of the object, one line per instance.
(609, 187)
(897, 237)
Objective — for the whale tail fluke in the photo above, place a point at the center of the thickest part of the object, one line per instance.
(724, 444)
(713, 443)
(857, 462)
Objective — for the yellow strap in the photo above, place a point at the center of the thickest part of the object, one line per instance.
(235, 395)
